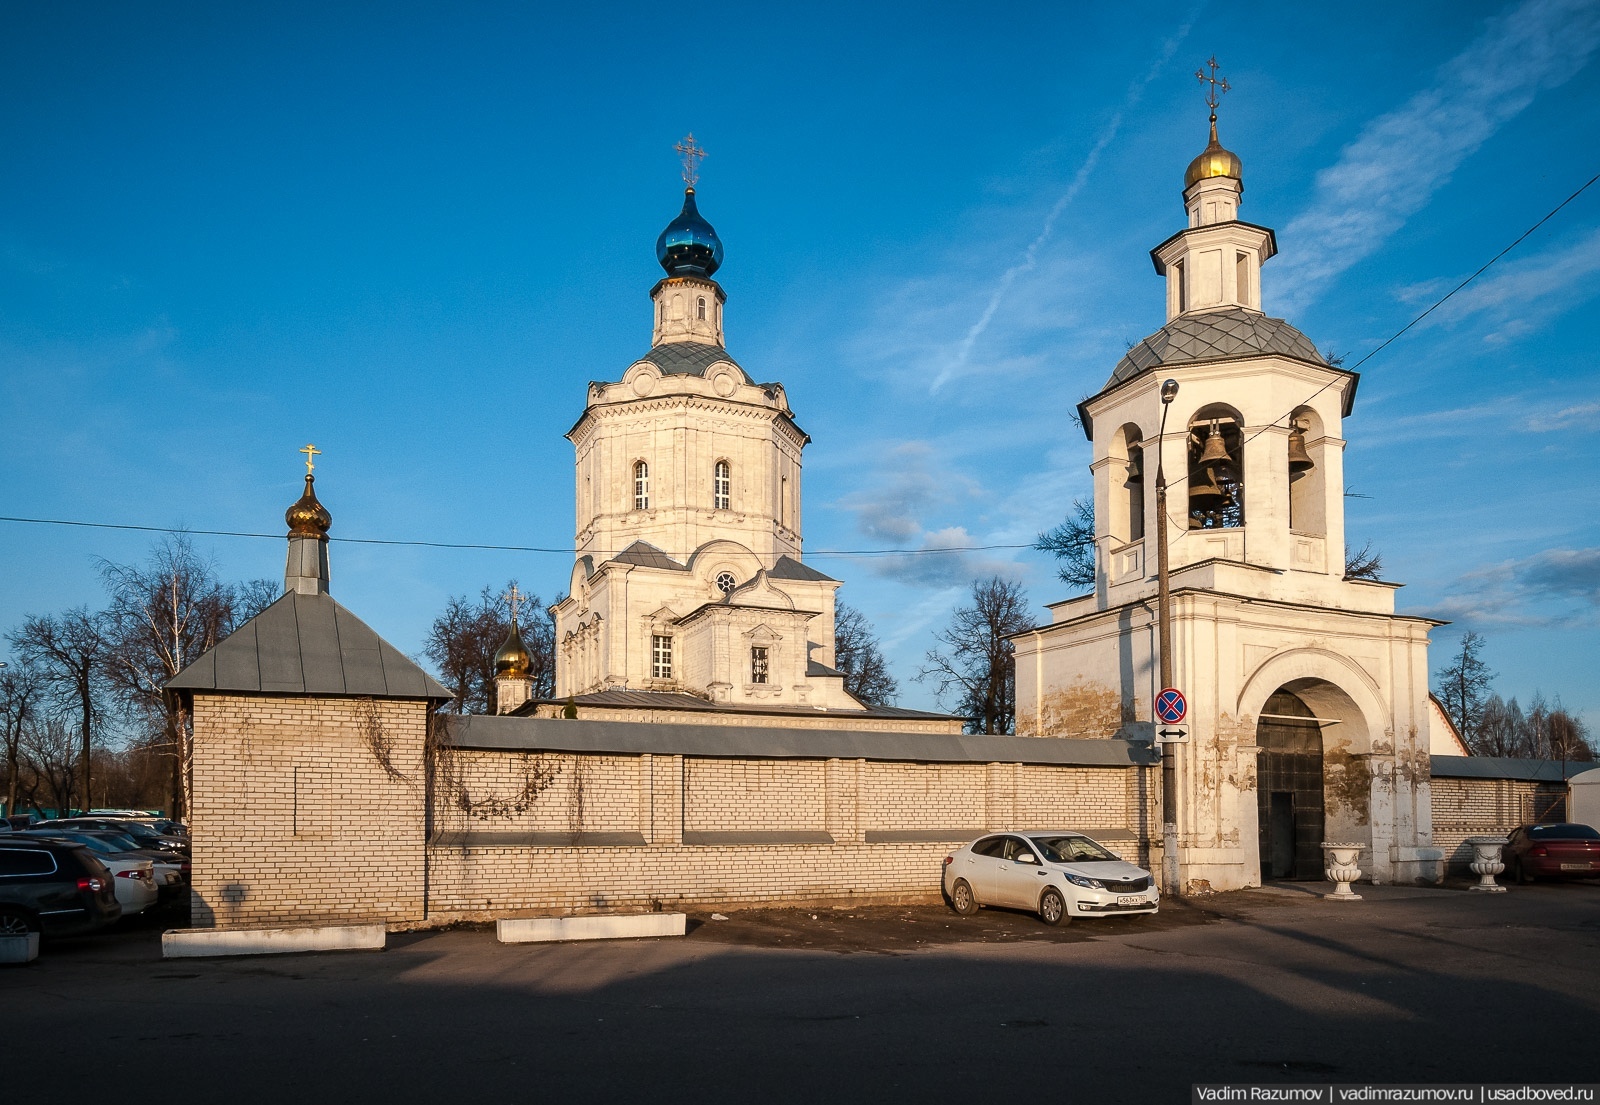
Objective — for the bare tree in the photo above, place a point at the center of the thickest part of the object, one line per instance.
(1072, 544)
(464, 638)
(22, 689)
(976, 662)
(857, 654)
(1365, 563)
(163, 615)
(69, 651)
(1463, 689)
(48, 754)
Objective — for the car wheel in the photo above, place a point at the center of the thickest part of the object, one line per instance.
(961, 899)
(14, 922)
(1052, 907)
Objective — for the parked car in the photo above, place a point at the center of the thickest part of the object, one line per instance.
(55, 887)
(144, 834)
(1563, 851)
(1059, 875)
(170, 870)
(163, 825)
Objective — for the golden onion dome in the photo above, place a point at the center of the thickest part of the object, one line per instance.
(307, 517)
(1214, 161)
(513, 661)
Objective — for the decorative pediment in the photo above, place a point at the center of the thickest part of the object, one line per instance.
(763, 634)
(760, 592)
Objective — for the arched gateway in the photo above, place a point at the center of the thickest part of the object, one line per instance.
(1289, 796)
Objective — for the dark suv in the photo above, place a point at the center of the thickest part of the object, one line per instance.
(53, 887)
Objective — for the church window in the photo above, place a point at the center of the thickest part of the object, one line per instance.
(700, 309)
(1241, 277)
(722, 486)
(641, 485)
(758, 664)
(726, 583)
(1183, 288)
(661, 656)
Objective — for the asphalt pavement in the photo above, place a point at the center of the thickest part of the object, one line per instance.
(1267, 986)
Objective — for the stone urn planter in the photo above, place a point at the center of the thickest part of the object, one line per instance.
(1342, 870)
(1486, 862)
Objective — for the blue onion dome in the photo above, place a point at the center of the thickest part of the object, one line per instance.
(689, 246)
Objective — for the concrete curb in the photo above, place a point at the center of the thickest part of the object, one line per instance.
(537, 930)
(189, 943)
(19, 949)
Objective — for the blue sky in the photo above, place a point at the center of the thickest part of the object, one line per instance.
(412, 235)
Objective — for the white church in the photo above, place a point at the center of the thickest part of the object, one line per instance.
(1307, 694)
(689, 599)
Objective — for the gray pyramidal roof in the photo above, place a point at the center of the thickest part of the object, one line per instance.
(307, 644)
(1212, 336)
(690, 358)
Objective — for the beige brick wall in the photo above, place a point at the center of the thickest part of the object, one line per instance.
(845, 798)
(1485, 807)
(294, 817)
(295, 820)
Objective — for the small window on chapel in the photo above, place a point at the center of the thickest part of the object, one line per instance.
(700, 309)
(726, 583)
(722, 486)
(758, 664)
(661, 656)
(641, 486)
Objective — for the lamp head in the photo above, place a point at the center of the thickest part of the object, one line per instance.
(1169, 391)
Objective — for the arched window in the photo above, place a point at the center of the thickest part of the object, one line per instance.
(1216, 469)
(700, 309)
(1135, 488)
(641, 485)
(722, 486)
(1124, 520)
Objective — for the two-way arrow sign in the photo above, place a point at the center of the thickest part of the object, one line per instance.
(1174, 734)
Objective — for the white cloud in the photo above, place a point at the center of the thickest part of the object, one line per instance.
(1551, 587)
(1518, 296)
(1401, 159)
(1583, 416)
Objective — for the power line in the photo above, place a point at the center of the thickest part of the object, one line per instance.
(568, 551)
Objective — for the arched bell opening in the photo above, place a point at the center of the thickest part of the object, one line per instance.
(1308, 507)
(1126, 502)
(1215, 483)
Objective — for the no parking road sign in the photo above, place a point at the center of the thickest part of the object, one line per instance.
(1171, 706)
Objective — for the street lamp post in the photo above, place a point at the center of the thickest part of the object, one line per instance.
(1169, 768)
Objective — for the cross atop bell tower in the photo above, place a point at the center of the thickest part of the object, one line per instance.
(692, 156)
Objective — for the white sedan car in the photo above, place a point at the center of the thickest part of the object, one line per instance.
(1059, 875)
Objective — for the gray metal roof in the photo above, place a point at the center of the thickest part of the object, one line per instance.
(1505, 767)
(307, 644)
(511, 733)
(788, 567)
(647, 555)
(690, 358)
(622, 699)
(1213, 336)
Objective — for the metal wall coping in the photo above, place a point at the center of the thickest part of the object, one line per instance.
(481, 732)
(1505, 767)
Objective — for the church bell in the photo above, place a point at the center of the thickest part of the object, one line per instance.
(1215, 452)
(1299, 459)
(1205, 493)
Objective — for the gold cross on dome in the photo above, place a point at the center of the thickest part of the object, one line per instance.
(513, 597)
(311, 452)
(691, 155)
(1219, 86)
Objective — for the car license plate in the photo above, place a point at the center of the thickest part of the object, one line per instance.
(1130, 899)
(1576, 866)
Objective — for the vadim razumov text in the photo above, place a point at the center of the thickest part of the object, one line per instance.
(1463, 1092)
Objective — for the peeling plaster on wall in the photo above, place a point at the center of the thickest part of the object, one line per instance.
(1083, 709)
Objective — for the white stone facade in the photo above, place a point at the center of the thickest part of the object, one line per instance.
(688, 498)
(1261, 606)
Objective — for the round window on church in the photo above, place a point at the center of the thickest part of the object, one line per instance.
(726, 583)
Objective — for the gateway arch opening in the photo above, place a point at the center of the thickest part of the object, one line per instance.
(1289, 789)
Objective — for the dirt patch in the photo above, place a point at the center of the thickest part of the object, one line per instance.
(896, 929)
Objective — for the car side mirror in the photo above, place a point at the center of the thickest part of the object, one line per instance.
(1027, 857)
